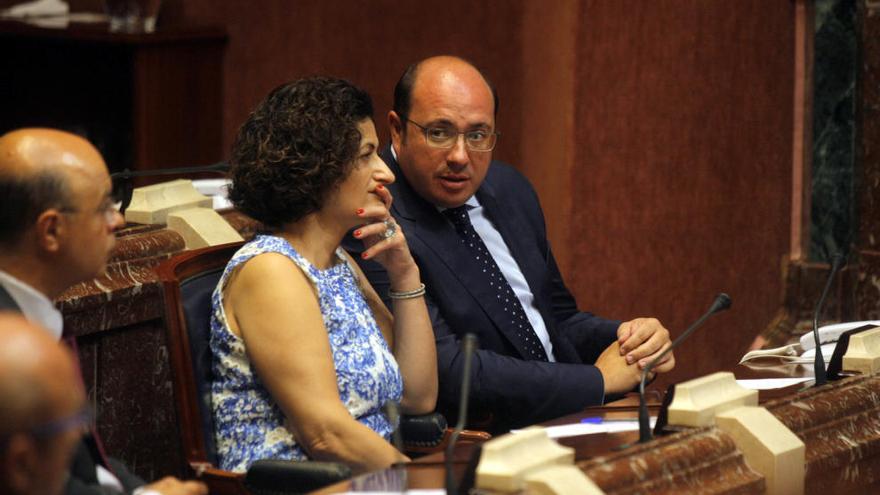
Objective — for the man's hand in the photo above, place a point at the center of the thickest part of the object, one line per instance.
(619, 376)
(643, 339)
(173, 486)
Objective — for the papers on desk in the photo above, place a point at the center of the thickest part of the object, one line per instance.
(591, 425)
(771, 383)
(803, 351)
(216, 189)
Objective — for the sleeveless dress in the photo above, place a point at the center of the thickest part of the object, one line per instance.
(249, 425)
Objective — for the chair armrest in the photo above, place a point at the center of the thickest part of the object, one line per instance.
(429, 433)
(424, 431)
(275, 477)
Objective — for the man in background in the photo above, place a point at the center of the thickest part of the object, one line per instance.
(57, 228)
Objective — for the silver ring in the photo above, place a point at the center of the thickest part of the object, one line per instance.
(390, 229)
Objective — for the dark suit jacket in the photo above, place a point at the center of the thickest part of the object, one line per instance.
(514, 390)
(83, 474)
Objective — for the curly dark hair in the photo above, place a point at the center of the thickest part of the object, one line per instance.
(297, 146)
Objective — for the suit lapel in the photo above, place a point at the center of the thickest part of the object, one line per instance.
(6, 300)
(425, 223)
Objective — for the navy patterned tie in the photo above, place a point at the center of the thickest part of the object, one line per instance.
(512, 307)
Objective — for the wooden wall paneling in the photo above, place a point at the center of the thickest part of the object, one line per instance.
(178, 103)
(867, 292)
(683, 129)
(547, 147)
(802, 135)
(369, 43)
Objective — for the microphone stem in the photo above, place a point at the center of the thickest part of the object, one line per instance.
(819, 361)
(644, 418)
(468, 344)
(219, 167)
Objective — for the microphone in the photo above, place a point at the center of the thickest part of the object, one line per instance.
(722, 302)
(468, 345)
(837, 262)
(392, 412)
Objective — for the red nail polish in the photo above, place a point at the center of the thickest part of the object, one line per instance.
(364, 255)
(360, 211)
(357, 233)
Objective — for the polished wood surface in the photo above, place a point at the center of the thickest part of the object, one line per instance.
(839, 423)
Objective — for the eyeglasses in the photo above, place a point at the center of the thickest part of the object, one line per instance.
(445, 137)
(78, 420)
(108, 207)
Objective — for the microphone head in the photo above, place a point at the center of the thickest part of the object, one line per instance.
(722, 302)
(835, 255)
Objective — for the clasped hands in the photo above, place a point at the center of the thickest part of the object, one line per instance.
(639, 341)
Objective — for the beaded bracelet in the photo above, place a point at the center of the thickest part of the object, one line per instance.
(408, 294)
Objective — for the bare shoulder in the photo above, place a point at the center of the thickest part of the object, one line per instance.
(268, 270)
(269, 281)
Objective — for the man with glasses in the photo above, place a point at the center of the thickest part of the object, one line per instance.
(42, 409)
(477, 232)
(57, 228)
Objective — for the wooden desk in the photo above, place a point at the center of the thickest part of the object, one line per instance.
(839, 423)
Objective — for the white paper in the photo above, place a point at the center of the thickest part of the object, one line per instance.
(831, 333)
(771, 383)
(578, 429)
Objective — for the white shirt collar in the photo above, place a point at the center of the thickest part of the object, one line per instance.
(36, 307)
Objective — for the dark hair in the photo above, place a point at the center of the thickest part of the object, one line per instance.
(403, 89)
(297, 146)
(25, 198)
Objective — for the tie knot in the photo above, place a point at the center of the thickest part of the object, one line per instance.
(458, 215)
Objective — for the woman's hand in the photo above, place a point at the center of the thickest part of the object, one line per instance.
(386, 242)
(410, 337)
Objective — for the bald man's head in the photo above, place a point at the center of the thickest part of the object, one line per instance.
(404, 88)
(36, 166)
(41, 404)
(34, 371)
(58, 218)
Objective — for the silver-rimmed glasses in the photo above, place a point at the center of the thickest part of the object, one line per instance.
(445, 137)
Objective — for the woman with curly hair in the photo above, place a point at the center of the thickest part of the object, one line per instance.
(305, 352)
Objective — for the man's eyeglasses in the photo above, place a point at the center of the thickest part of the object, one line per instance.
(109, 208)
(81, 420)
(445, 137)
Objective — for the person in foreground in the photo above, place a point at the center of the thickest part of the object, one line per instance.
(477, 232)
(57, 228)
(305, 353)
(43, 411)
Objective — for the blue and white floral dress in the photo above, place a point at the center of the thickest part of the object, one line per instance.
(248, 423)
